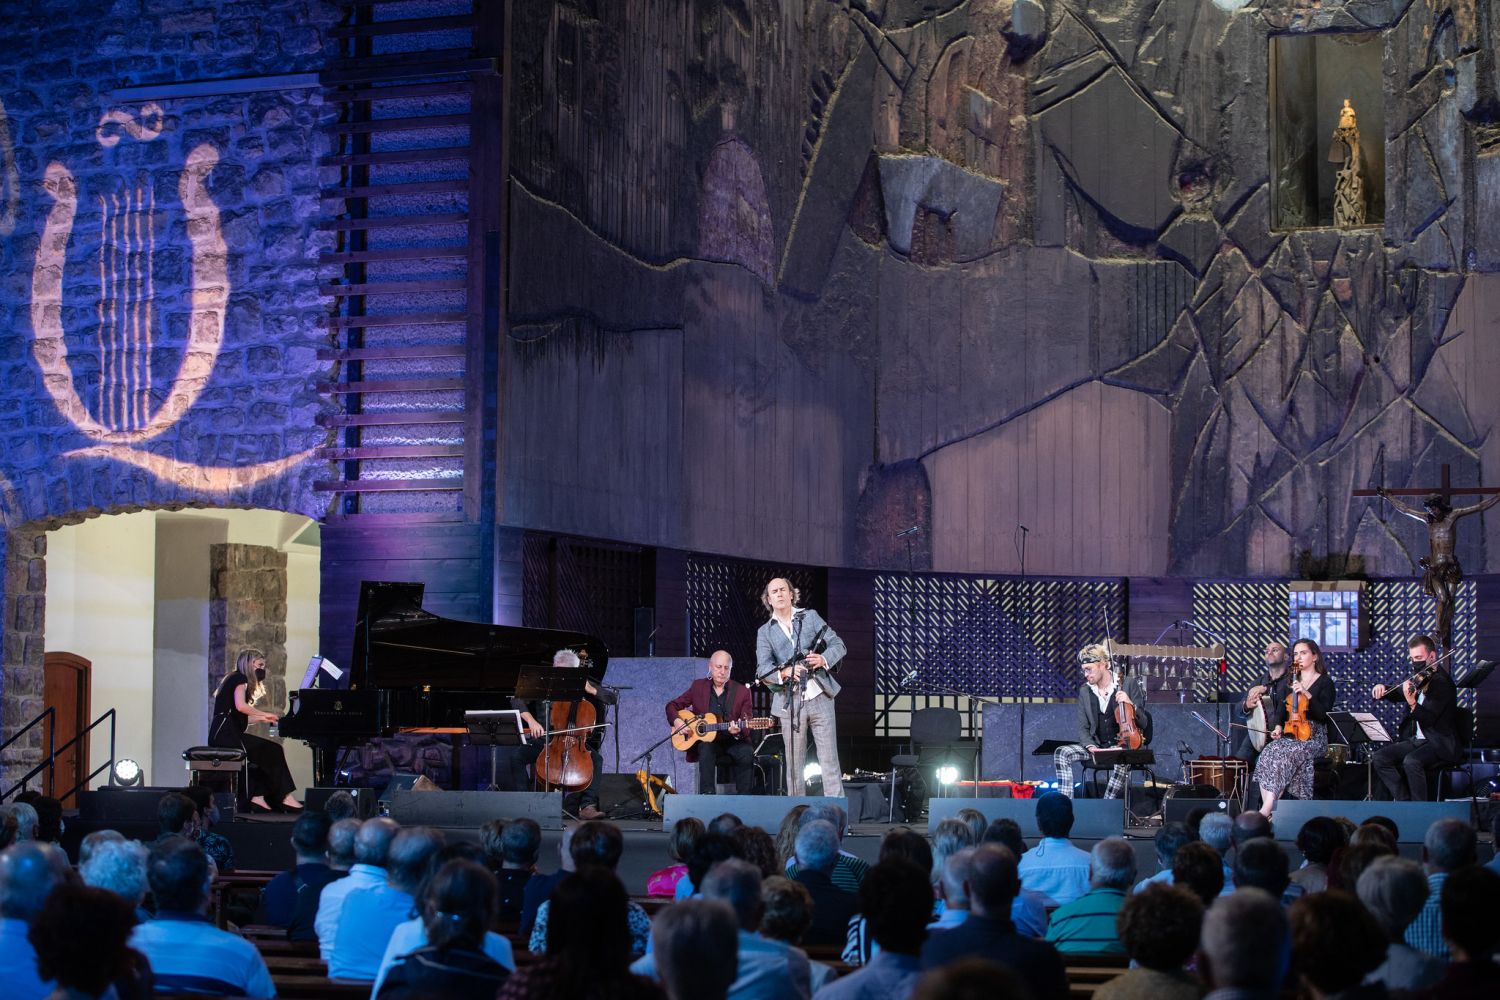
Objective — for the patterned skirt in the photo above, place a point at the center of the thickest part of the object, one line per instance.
(1285, 766)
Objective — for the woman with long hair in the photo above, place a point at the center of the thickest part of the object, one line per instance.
(1285, 766)
(458, 906)
(234, 709)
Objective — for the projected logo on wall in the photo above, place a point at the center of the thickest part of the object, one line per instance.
(127, 409)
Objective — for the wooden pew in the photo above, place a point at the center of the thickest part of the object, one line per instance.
(301, 987)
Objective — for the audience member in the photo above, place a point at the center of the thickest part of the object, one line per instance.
(1086, 926)
(188, 954)
(372, 913)
(848, 870)
(49, 815)
(1263, 864)
(1335, 942)
(27, 822)
(755, 845)
(1198, 868)
(7, 827)
(696, 946)
(372, 845)
(341, 837)
(1249, 825)
(786, 835)
(817, 854)
(786, 918)
(176, 816)
(588, 945)
(725, 823)
(1217, 831)
(1373, 833)
(28, 873)
(685, 833)
(988, 933)
(411, 935)
(310, 872)
(1055, 869)
(341, 806)
(1393, 890)
(1450, 844)
(1471, 929)
(597, 844)
(539, 887)
(452, 952)
(708, 850)
(975, 821)
(81, 937)
(1389, 825)
(1158, 927)
(971, 979)
(1245, 947)
(1168, 841)
(948, 837)
(519, 847)
(1317, 840)
(92, 840)
(953, 885)
(217, 846)
(1029, 911)
(1353, 860)
(119, 866)
(900, 843)
(895, 900)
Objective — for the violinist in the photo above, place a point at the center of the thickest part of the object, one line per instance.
(1100, 700)
(726, 701)
(1428, 735)
(1286, 764)
(587, 803)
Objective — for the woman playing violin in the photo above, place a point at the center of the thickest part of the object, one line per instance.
(1286, 764)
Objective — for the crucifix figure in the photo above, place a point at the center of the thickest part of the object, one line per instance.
(1442, 572)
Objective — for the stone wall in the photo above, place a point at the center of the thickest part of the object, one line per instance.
(25, 555)
(247, 607)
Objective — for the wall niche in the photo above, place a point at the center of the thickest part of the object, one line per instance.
(1327, 151)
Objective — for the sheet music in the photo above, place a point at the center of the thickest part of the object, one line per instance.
(1373, 730)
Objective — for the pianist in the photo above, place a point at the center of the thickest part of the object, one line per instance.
(234, 709)
(587, 803)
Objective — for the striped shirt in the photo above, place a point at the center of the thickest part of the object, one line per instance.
(1086, 926)
(1426, 932)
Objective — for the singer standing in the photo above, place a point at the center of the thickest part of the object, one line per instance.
(803, 693)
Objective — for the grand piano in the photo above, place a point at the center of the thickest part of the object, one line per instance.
(413, 670)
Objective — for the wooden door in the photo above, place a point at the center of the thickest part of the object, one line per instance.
(66, 691)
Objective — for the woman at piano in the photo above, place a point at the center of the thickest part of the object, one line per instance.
(234, 709)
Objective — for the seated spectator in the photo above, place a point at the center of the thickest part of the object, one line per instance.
(817, 854)
(372, 845)
(1245, 946)
(696, 946)
(1471, 929)
(411, 935)
(1262, 864)
(1353, 860)
(341, 837)
(597, 844)
(92, 840)
(539, 887)
(1317, 840)
(278, 899)
(1054, 868)
(1029, 911)
(786, 835)
(588, 944)
(1376, 833)
(767, 969)
(371, 914)
(707, 851)
(755, 845)
(1198, 868)
(455, 958)
(975, 821)
(1250, 825)
(971, 979)
(1388, 824)
(188, 954)
(520, 844)
(895, 900)
(1335, 943)
(725, 823)
(1450, 844)
(948, 837)
(489, 843)
(28, 824)
(1217, 831)
(217, 846)
(7, 827)
(685, 833)
(176, 816)
(899, 843)
(119, 866)
(81, 938)
(954, 887)
(1394, 890)
(28, 873)
(1086, 926)
(49, 815)
(1168, 841)
(341, 806)
(786, 918)
(848, 870)
(988, 933)
(1158, 927)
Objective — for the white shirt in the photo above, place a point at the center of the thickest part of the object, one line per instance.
(1103, 696)
(331, 902)
(1421, 698)
(809, 691)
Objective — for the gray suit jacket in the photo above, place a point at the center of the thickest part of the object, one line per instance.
(772, 648)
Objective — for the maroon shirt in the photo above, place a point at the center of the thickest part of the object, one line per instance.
(696, 698)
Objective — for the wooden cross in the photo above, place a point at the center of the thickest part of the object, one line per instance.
(1447, 490)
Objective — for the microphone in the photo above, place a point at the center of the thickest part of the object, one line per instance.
(1024, 530)
(911, 675)
(909, 531)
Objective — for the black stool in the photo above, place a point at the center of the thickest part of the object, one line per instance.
(226, 763)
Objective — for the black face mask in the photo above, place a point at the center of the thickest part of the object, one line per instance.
(260, 674)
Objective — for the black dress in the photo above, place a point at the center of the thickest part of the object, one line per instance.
(269, 775)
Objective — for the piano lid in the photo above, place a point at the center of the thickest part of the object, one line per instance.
(398, 644)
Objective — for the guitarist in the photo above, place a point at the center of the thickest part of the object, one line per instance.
(803, 692)
(727, 702)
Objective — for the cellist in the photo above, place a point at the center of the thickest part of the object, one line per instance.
(587, 803)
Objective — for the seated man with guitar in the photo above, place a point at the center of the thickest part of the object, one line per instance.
(710, 720)
(1105, 710)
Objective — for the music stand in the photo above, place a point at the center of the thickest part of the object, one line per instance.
(1477, 676)
(547, 684)
(493, 729)
(1356, 729)
(1133, 759)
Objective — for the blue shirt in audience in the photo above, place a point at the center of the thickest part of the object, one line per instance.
(1055, 869)
(18, 963)
(369, 918)
(188, 954)
(767, 970)
(887, 975)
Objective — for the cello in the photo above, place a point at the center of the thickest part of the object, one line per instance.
(565, 762)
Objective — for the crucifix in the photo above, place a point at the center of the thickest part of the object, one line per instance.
(1442, 572)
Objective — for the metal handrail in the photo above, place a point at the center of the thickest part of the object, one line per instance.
(54, 751)
(50, 715)
(110, 715)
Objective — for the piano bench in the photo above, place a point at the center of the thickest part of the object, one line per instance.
(226, 763)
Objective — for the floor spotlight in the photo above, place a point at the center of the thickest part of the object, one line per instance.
(811, 771)
(126, 773)
(947, 775)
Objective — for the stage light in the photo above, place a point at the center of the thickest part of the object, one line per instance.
(811, 771)
(126, 773)
(947, 775)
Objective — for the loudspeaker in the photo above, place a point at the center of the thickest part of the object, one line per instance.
(642, 633)
(870, 802)
(621, 796)
(1412, 818)
(764, 811)
(1093, 819)
(120, 805)
(400, 782)
(474, 809)
(364, 799)
(1183, 799)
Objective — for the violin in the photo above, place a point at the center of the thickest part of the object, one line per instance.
(1297, 725)
(1130, 734)
(565, 762)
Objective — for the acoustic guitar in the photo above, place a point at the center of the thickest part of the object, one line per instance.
(692, 728)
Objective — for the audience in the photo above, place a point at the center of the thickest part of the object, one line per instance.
(539, 887)
(81, 937)
(954, 887)
(1471, 929)
(1087, 925)
(1450, 844)
(49, 815)
(1373, 833)
(899, 843)
(1198, 868)
(372, 913)
(696, 946)
(1389, 826)
(896, 901)
(1263, 864)
(1245, 947)
(1158, 927)
(755, 845)
(725, 823)
(786, 835)
(341, 806)
(685, 833)
(817, 855)
(520, 843)
(310, 872)
(1055, 869)
(92, 840)
(7, 827)
(372, 844)
(27, 821)
(1217, 831)
(1317, 840)
(1353, 860)
(341, 840)
(993, 882)
(597, 844)
(1168, 841)
(1393, 890)
(971, 979)
(188, 954)
(787, 916)
(117, 865)
(975, 821)
(1335, 943)
(848, 870)
(176, 816)
(1249, 825)
(217, 846)
(454, 952)
(1029, 911)
(708, 850)
(28, 872)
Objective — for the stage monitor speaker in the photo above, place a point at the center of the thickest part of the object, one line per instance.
(401, 781)
(643, 629)
(1186, 798)
(764, 811)
(621, 795)
(364, 799)
(121, 805)
(1093, 819)
(1412, 818)
(474, 809)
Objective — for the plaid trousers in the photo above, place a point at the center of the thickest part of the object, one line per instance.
(1063, 760)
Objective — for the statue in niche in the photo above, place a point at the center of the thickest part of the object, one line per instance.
(1348, 186)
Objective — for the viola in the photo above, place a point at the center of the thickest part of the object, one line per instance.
(565, 762)
(1297, 725)
(1130, 734)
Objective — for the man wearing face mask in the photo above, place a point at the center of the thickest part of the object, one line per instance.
(1098, 698)
(234, 709)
